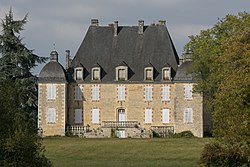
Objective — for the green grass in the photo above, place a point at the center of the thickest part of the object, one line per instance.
(65, 151)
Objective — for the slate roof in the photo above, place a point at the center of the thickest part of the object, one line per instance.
(100, 46)
(52, 72)
(182, 74)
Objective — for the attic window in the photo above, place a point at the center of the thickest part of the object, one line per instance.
(149, 74)
(166, 73)
(79, 73)
(96, 74)
(121, 73)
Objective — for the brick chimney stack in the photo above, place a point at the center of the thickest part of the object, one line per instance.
(68, 61)
(115, 28)
(94, 22)
(140, 26)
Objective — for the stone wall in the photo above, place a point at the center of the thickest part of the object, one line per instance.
(57, 128)
(135, 106)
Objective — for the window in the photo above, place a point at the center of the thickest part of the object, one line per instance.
(95, 93)
(165, 115)
(95, 116)
(78, 116)
(165, 93)
(148, 93)
(188, 92)
(149, 73)
(78, 72)
(78, 92)
(51, 115)
(51, 92)
(188, 115)
(96, 74)
(166, 73)
(121, 93)
(121, 73)
(148, 115)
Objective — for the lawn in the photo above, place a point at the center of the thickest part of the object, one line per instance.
(73, 152)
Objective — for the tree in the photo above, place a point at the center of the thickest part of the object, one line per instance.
(221, 62)
(20, 144)
(16, 61)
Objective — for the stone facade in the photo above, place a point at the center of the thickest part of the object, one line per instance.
(116, 88)
(60, 106)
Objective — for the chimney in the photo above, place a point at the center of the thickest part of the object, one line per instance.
(162, 22)
(94, 22)
(115, 28)
(140, 26)
(67, 59)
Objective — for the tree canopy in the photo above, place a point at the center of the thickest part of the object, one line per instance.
(221, 62)
(20, 144)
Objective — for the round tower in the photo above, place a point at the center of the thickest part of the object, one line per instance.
(52, 95)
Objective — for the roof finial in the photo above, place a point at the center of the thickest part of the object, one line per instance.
(54, 46)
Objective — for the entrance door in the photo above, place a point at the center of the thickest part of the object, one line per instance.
(120, 133)
(121, 115)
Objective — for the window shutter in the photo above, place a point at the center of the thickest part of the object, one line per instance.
(78, 115)
(78, 92)
(165, 93)
(121, 93)
(148, 115)
(95, 92)
(188, 91)
(95, 115)
(51, 92)
(188, 115)
(51, 115)
(165, 116)
(148, 93)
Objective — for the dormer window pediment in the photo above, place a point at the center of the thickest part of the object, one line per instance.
(166, 74)
(148, 73)
(79, 72)
(122, 72)
(96, 74)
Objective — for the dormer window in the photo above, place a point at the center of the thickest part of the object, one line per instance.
(149, 74)
(96, 74)
(166, 74)
(78, 73)
(122, 72)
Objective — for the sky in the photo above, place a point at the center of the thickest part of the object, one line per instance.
(65, 22)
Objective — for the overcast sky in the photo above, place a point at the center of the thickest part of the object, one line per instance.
(65, 22)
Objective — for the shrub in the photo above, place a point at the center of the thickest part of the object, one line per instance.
(184, 134)
(219, 154)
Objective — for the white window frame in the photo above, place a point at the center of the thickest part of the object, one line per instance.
(166, 74)
(121, 92)
(78, 71)
(78, 92)
(95, 116)
(51, 91)
(146, 77)
(78, 116)
(123, 78)
(148, 116)
(95, 92)
(148, 93)
(165, 93)
(51, 115)
(188, 115)
(188, 92)
(165, 115)
(98, 77)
